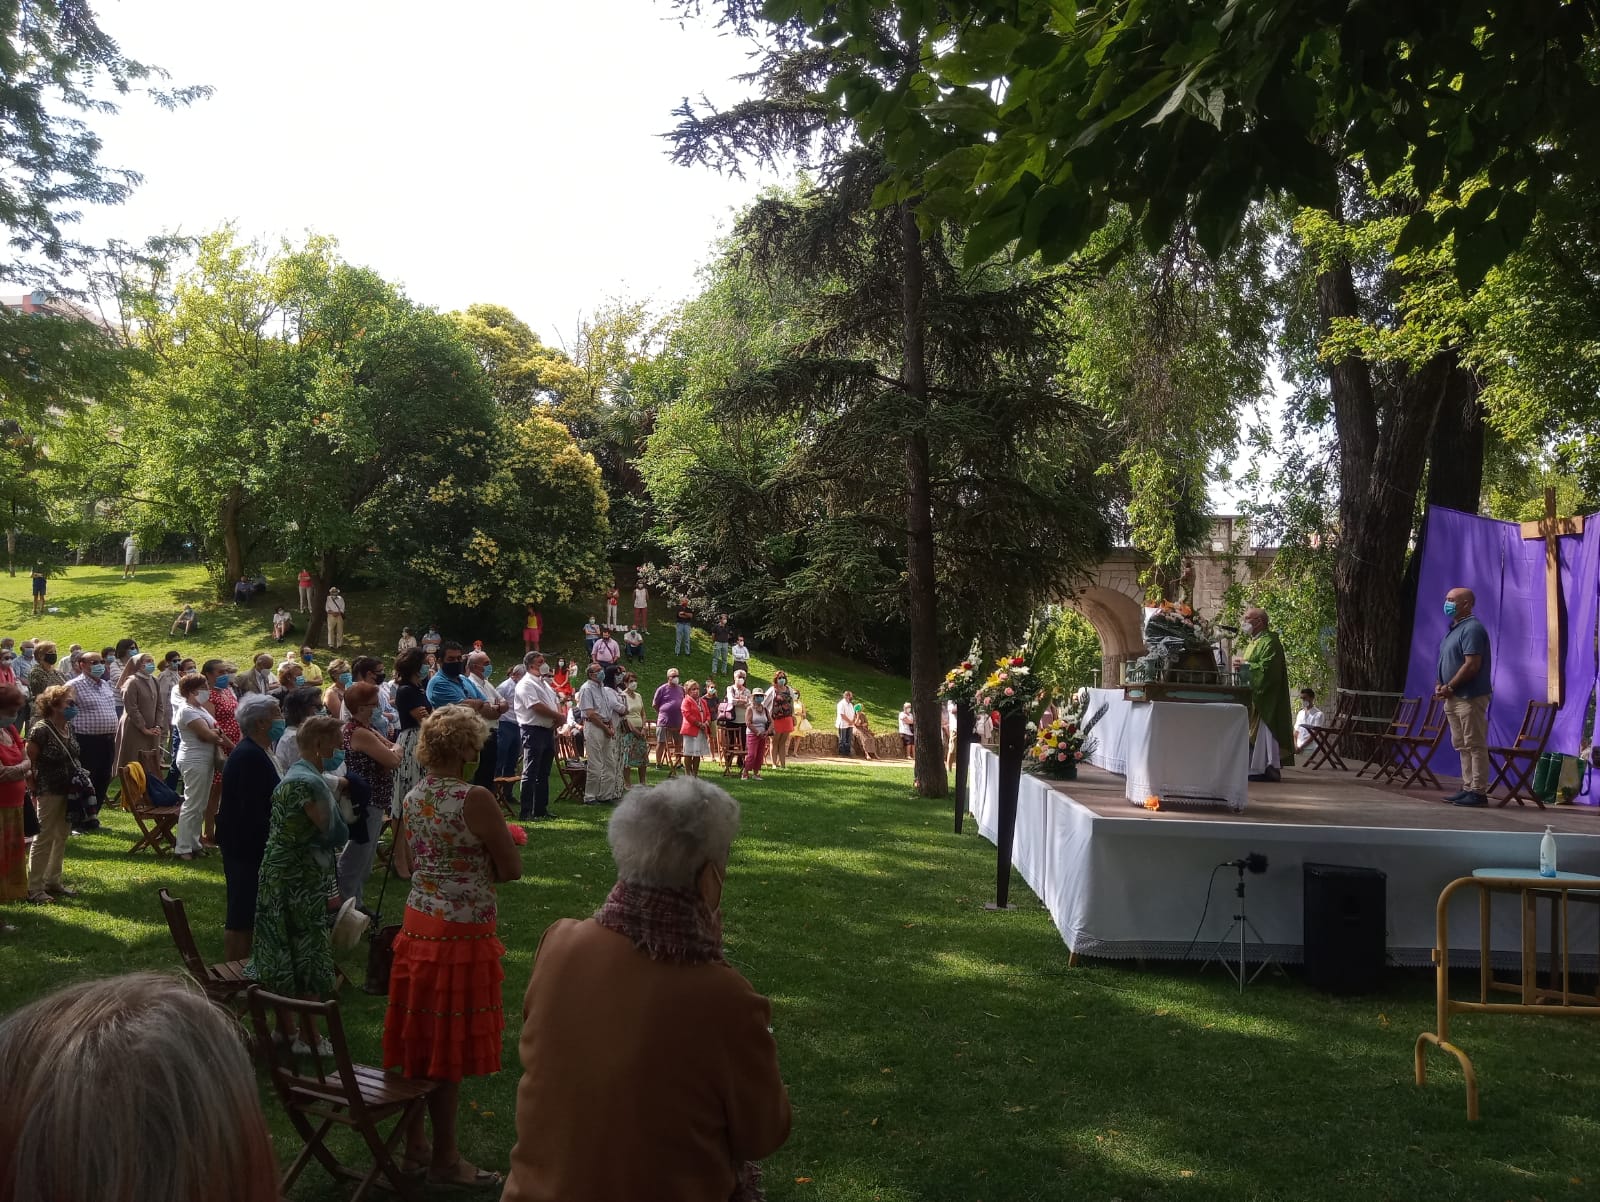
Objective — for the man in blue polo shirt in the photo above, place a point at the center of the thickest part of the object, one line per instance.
(1465, 686)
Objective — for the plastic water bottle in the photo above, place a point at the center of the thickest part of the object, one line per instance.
(1547, 852)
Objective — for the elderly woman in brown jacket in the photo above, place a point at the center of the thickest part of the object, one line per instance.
(649, 1067)
(139, 728)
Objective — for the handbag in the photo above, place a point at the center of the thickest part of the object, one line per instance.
(82, 801)
(30, 816)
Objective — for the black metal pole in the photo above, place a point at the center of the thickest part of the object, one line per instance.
(962, 734)
(1013, 741)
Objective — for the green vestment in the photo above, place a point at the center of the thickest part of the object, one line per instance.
(1269, 689)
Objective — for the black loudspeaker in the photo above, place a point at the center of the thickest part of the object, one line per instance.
(1345, 922)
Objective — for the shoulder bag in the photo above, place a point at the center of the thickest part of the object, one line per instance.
(82, 802)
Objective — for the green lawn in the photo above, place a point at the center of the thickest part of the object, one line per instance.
(97, 608)
(937, 1051)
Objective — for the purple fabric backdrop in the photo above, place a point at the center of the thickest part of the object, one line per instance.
(1506, 571)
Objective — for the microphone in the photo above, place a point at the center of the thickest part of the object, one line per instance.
(1227, 629)
(1255, 863)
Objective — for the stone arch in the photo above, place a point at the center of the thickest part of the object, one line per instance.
(1118, 618)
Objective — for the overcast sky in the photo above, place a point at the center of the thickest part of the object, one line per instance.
(485, 150)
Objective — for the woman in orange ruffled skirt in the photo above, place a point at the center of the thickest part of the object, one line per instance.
(444, 1020)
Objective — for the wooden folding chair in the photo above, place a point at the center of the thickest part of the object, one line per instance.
(337, 1092)
(1513, 766)
(733, 748)
(224, 983)
(574, 771)
(502, 793)
(1413, 751)
(1326, 739)
(1381, 758)
(158, 825)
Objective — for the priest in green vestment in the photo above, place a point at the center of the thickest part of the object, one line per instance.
(1272, 728)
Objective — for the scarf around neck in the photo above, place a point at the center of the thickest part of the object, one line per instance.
(674, 925)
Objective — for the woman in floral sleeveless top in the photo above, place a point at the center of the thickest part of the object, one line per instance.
(444, 1020)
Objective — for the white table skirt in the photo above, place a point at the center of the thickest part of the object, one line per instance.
(1187, 753)
(1134, 885)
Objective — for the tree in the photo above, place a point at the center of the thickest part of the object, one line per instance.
(1177, 109)
(58, 63)
(522, 372)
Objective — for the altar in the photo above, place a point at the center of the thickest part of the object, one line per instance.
(1189, 754)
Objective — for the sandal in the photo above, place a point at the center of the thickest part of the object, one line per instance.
(479, 1178)
(41, 898)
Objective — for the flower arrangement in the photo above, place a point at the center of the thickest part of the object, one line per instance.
(1007, 690)
(960, 684)
(1174, 627)
(1153, 802)
(1060, 746)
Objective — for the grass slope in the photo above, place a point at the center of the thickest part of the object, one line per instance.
(97, 607)
(937, 1051)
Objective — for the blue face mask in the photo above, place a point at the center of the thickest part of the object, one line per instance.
(1449, 609)
(97, 670)
(150, 668)
(275, 731)
(332, 763)
(71, 712)
(488, 671)
(310, 659)
(344, 680)
(223, 681)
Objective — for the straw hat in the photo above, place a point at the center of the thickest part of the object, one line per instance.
(349, 926)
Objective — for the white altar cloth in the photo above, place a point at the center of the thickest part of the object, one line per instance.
(1134, 885)
(1187, 753)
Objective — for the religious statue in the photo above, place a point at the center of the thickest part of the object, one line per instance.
(1271, 728)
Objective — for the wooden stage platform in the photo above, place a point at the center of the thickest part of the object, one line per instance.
(1121, 881)
(1327, 798)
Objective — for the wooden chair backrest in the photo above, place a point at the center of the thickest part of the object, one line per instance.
(1536, 724)
(1405, 715)
(332, 1077)
(566, 749)
(1432, 723)
(183, 936)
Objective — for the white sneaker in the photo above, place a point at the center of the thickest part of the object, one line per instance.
(301, 1048)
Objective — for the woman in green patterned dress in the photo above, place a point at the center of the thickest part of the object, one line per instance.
(293, 949)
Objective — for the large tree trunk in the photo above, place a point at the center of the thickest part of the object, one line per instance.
(322, 576)
(232, 551)
(921, 587)
(1455, 451)
(1383, 435)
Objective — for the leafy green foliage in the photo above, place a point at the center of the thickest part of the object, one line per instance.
(1172, 108)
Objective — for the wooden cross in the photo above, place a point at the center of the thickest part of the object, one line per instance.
(1550, 527)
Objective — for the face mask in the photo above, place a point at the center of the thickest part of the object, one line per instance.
(71, 712)
(309, 658)
(223, 681)
(546, 672)
(202, 696)
(469, 769)
(453, 669)
(366, 718)
(275, 731)
(382, 677)
(97, 670)
(488, 670)
(333, 761)
(344, 680)
(49, 657)
(150, 668)
(1449, 609)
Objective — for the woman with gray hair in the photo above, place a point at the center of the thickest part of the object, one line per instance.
(693, 1092)
(166, 1066)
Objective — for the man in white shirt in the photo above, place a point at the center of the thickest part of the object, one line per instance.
(1309, 715)
(334, 610)
(844, 721)
(538, 710)
(606, 650)
(634, 642)
(509, 733)
(475, 683)
(741, 655)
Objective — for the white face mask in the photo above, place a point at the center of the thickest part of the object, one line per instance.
(202, 696)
